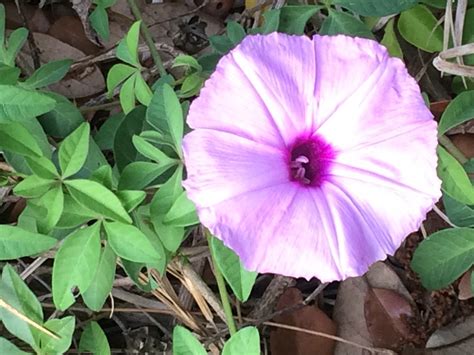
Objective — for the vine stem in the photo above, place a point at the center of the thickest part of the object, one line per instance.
(222, 290)
(147, 36)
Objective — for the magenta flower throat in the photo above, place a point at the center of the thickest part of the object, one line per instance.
(311, 157)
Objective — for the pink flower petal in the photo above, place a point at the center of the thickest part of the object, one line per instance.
(222, 165)
(256, 93)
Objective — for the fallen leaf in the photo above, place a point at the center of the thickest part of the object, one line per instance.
(84, 83)
(385, 314)
(37, 19)
(465, 143)
(349, 310)
(454, 339)
(285, 341)
(68, 29)
(465, 286)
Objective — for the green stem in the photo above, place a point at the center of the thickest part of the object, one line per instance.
(222, 291)
(147, 36)
(452, 149)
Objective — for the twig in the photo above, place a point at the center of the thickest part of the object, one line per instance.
(147, 36)
(329, 336)
(35, 52)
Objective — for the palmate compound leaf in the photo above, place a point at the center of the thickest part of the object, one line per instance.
(75, 264)
(16, 242)
(16, 102)
(185, 343)
(94, 340)
(240, 280)
(245, 341)
(376, 8)
(444, 256)
(16, 294)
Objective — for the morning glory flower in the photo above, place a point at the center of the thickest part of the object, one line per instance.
(311, 157)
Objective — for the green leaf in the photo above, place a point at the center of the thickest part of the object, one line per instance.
(245, 341)
(53, 202)
(191, 85)
(166, 115)
(142, 90)
(33, 186)
(438, 4)
(2, 25)
(124, 151)
(182, 213)
(97, 198)
(221, 44)
(48, 74)
(235, 32)
(64, 118)
(131, 198)
(133, 271)
(117, 74)
(183, 60)
(15, 138)
(93, 340)
(343, 23)
(377, 8)
(127, 95)
(293, 19)
(15, 292)
(459, 110)
(74, 214)
(16, 242)
(7, 347)
(15, 42)
(459, 214)
(64, 328)
(185, 343)
(141, 174)
(16, 103)
(419, 27)
(455, 181)
(272, 21)
(43, 167)
(100, 22)
(468, 34)
(104, 176)
(101, 285)
(390, 41)
(73, 150)
(106, 135)
(151, 152)
(75, 264)
(127, 49)
(444, 256)
(9, 75)
(240, 280)
(130, 243)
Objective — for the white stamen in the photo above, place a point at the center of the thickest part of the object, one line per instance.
(302, 159)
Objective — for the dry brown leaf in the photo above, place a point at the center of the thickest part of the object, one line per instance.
(284, 341)
(465, 287)
(37, 20)
(454, 339)
(68, 29)
(84, 83)
(385, 314)
(465, 143)
(349, 311)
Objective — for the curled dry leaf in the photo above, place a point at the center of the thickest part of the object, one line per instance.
(386, 312)
(465, 287)
(86, 82)
(284, 341)
(349, 310)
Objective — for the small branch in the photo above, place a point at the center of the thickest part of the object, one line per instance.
(147, 36)
(452, 149)
(105, 106)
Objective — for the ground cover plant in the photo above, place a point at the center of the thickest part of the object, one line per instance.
(237, 178)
